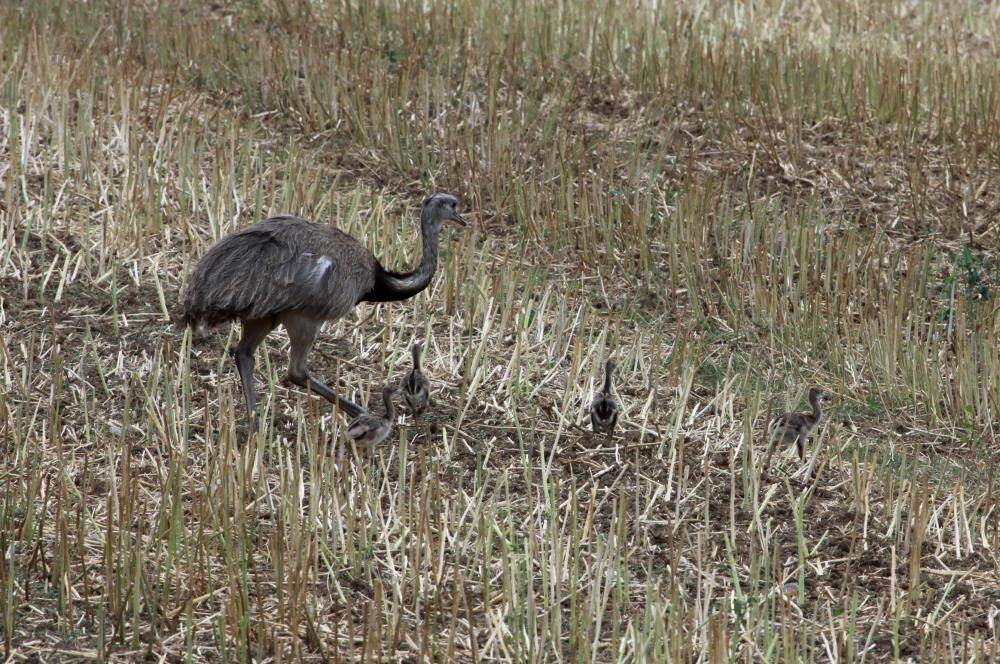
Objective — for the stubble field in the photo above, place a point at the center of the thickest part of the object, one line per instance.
(736, 200)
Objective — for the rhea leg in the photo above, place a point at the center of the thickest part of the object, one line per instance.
(302, 333)
(776, 435)
(254, 332)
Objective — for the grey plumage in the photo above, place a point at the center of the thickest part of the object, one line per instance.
(297, 273)
(603, 409)
(281, 264)
(796, 427)
(370, 430)
(416, 387)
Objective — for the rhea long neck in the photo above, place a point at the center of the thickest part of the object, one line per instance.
(608, 369)
(392, 286)
(814, 402)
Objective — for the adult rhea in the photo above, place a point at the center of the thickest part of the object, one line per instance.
(300, 274)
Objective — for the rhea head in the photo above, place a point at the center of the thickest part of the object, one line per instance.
(441, 207)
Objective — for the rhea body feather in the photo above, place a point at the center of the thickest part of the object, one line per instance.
(286, 263)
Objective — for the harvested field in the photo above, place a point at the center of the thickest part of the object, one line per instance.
(735, 200)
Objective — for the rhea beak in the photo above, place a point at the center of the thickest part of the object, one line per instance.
(457, 218)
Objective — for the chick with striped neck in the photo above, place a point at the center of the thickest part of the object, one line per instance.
(416, 388)
(796, 427)
(604, 409)
(368, 431)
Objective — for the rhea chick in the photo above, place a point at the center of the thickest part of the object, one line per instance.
(797, 427)
(415, 387)
(367, 430)
(603, 409)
